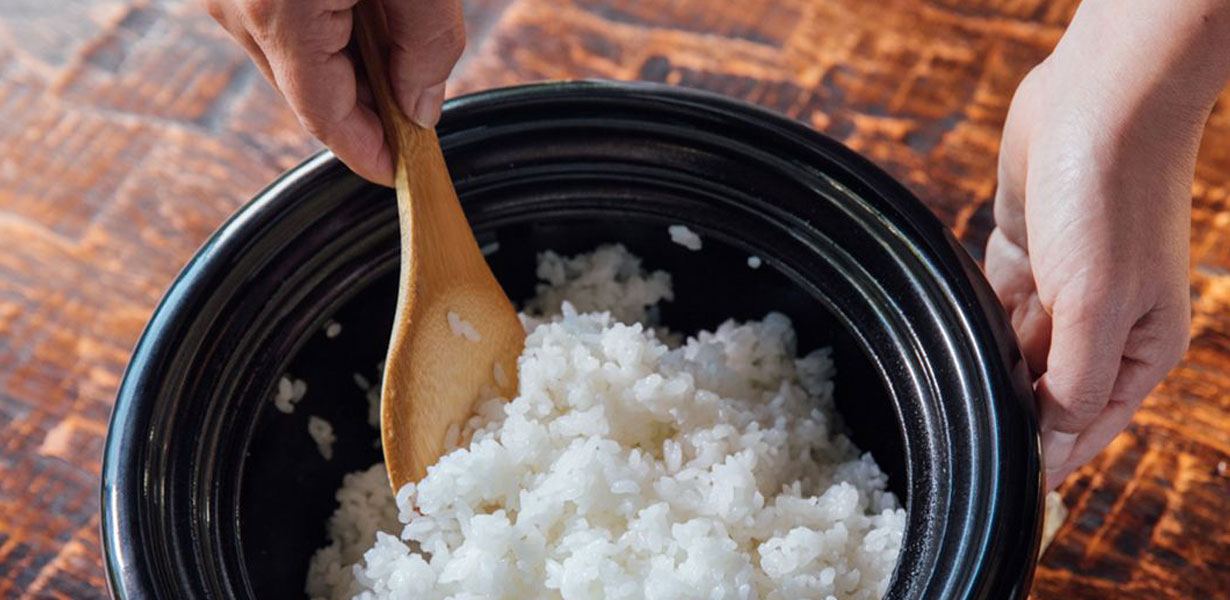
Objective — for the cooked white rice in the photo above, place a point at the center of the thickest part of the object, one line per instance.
(501, 378)
(373, 398)
(607, 279)
(290, 391)
(463, 328)
(364, 506)
(627, 469)
(682, 235)
(322, 433)
(754, 262)
(333, 329)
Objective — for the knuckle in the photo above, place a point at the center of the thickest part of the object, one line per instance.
(1165, 337)
(214, 9)
(316, 126)
(450, 41)
(428, 60)
(1176, 350)
(259, 12)
(1083, 405)
(1178, 341)
(1185, 344)
(1182, 329)
(1032, 79)
(1073, 407)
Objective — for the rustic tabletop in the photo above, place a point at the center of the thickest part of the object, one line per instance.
(129, 129)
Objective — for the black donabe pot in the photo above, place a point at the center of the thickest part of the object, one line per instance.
(210, 492)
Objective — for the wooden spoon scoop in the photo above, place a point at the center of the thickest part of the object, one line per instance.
(455, 330)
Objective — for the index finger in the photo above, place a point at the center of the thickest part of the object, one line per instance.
(305, 43)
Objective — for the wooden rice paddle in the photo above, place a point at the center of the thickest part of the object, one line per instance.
(455, 329)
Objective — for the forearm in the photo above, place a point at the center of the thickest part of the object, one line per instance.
(1173, 52)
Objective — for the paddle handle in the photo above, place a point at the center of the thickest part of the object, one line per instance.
(371, 34)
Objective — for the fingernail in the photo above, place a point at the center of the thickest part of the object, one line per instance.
(1057, 449)
(427, 107)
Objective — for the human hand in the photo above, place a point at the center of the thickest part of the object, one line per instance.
(1090, 250)
(301, 47)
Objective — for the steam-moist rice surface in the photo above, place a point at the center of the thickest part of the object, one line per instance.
(629, 469)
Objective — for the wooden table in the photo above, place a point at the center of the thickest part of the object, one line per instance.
(129, 129)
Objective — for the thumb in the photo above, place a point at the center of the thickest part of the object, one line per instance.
(427, 37)
(1087, 343)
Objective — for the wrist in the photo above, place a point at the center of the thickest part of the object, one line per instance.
(1172, 56)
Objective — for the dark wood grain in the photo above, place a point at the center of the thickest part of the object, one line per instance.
(129, 129)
